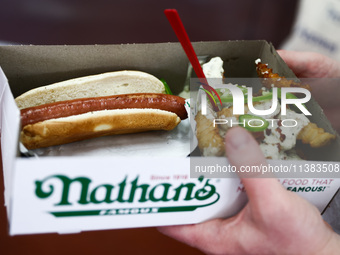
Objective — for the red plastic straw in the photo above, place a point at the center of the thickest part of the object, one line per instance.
(183, 38)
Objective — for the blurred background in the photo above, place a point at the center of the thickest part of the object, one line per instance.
(51, 22)
(128, 21)
(132, 21)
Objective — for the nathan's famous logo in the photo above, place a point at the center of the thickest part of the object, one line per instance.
(82, 191)
(239, 96)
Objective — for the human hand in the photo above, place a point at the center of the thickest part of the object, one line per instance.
(274, 221)
(326, 91)
(310, 64)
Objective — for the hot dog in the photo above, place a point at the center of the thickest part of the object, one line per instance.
(106, 104)
(67, 108)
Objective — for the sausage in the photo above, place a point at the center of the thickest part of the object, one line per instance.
(61, 109)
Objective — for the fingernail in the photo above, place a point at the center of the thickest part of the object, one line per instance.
(238, 139)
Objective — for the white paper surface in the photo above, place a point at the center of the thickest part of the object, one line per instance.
(9, 120)
(32, 214)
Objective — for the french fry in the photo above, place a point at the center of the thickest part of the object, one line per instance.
(210, 142)
(273, 78)
(314, 136)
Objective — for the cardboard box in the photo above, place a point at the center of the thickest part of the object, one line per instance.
(73, 194)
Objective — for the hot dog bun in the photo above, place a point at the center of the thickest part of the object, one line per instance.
(105, 84)
(96, 123)
(89, 125)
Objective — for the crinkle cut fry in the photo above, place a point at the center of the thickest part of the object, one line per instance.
(273, 78)
(210, 142)
(311, 134)
(314, 136)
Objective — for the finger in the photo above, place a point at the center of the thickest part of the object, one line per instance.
(310, 64)
(244, 152)
(297, 62)
(204, 236)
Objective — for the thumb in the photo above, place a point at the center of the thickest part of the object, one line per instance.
(245, 154)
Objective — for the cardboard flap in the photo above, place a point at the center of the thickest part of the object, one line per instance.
(10, 122)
